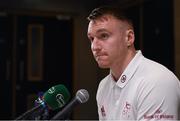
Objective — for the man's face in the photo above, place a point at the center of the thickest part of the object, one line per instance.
(108, 40)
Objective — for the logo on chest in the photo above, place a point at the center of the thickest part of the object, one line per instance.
(103, 113)
(126, 110)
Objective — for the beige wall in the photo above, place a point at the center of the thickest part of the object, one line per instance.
(177, 36)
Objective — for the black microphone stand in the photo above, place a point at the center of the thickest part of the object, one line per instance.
(27, 114)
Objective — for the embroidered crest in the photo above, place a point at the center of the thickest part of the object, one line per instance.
(103, 113)
(126, 110)
(123, 78)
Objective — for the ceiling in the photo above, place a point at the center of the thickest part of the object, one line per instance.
(57, 5)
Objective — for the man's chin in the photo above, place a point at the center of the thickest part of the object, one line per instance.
(103, 66)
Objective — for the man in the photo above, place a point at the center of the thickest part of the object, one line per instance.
(136, 88)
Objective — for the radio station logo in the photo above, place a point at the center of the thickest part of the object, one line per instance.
(60, 100)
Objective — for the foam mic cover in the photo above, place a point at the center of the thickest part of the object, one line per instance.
(56, 97)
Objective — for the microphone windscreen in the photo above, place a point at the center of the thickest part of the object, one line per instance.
(56, 97)
(82, 95)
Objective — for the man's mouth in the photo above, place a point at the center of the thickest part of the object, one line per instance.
(98, 57)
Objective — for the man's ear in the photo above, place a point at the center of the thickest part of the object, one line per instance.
(130, 37)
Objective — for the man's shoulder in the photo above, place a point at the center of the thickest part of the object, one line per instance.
(153, 73)
(156, 69)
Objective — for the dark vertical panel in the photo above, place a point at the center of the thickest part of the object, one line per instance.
(58, 51)
(158, 31)
(133, 13)
(5, 67)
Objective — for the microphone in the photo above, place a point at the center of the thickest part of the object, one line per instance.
(54, 98)
(82, 96)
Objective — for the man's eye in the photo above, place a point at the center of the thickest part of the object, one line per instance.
(104, 36)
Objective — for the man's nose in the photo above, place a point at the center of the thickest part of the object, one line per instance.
(95, 45)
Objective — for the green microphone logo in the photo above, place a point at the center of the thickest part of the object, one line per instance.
(51, 90)
(60, 99)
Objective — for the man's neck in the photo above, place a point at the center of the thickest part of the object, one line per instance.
(119, 68)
